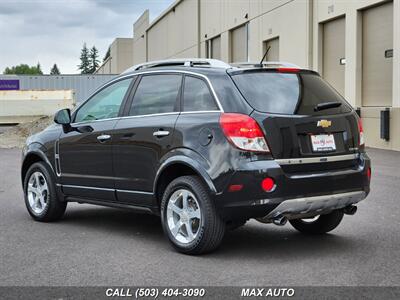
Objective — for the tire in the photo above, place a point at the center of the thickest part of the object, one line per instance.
(323, 224)
(42, 202)
(199, 216)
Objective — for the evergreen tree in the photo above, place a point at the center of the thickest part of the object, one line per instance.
(93, 59)
(39, 69)
(84, 66)
(54, 70)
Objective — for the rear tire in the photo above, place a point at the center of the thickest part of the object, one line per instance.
(189, 216)
(40, 194)
(323, 224)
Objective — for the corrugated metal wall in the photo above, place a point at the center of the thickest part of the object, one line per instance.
(83, 85)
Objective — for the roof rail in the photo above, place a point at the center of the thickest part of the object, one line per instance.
(265, 64)
(187, 62)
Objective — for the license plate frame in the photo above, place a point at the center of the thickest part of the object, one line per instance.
(323, 142)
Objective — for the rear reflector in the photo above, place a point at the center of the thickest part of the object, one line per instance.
(268, 184)
(369, 173)
(361, 133)
(243, 132)
(235, 187)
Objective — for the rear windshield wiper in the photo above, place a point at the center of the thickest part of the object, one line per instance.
(326, 105)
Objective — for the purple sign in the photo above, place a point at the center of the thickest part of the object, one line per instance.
(9, 84)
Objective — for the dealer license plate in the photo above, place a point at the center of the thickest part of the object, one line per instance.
(323, 142)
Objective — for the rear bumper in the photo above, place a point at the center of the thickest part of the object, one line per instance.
(296, 193)
(294, 208)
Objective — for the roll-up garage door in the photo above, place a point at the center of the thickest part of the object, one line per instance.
(216, 47)
(273, 53)
(377, 60)
(239, 46)
(333, 69)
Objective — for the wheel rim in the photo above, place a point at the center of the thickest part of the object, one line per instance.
(38, 193)
(183, 216)
(310, 220)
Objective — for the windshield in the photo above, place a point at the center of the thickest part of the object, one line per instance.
(288, 93)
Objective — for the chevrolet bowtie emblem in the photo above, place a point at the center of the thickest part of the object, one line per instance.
(324, 123)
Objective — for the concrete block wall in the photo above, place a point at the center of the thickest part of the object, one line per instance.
(21, 106)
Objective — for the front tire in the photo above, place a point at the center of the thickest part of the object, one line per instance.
(40, 194)
(189, 216)
(322, 224)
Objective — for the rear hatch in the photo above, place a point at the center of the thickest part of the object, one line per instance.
(301, 115)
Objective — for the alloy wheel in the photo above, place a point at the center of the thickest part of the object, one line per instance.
(183, 216)
(38, 193)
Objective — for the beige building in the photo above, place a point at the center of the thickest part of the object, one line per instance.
(121, 57)
(354, 44)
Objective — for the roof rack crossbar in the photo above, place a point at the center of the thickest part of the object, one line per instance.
(189, 62)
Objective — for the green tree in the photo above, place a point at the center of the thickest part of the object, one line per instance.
(84, 66)
(39, 69)
(93, 59)
(24, 69)
(54, 70)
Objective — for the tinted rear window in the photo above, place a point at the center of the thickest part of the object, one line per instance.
(288, 93)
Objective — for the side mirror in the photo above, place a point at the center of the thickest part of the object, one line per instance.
(63, 117)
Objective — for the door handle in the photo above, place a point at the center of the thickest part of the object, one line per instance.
(103, 138)
(160, 133)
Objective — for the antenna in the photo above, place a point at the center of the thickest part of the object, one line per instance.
(265, 55)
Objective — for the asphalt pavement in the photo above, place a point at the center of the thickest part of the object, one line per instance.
(104, 246)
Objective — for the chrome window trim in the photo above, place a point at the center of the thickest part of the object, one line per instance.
(151, 115)
(127, 117)
(200, 112)
(94, 121)
(144, 73)
(320, 159)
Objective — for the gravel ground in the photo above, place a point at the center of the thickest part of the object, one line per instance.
(15, 136)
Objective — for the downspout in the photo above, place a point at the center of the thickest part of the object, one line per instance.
(310, 33)
(198, 29)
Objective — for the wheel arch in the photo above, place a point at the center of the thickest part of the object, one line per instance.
(177, 166)
(32, 157)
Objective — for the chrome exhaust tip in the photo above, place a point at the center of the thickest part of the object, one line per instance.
(350, 210)
(279, 220)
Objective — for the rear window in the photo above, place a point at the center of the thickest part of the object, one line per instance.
(288, 93)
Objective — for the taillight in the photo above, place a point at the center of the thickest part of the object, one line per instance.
(369, 173)
(243, 132)
(361, 133)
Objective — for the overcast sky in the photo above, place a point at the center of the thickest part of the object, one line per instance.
(53, 31)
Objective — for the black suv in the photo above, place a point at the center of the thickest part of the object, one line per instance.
(206, 146)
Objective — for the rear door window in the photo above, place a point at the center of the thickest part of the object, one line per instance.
(288, 93)
(197, 95)
(156, 94)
